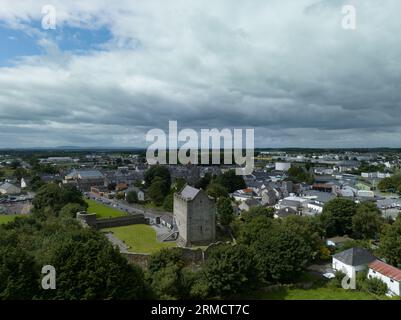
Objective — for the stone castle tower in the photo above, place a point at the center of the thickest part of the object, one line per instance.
(195, 217)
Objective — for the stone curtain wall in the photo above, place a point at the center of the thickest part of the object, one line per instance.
(121, 221)
(192, 257)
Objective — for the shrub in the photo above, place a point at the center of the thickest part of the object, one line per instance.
(375, 286)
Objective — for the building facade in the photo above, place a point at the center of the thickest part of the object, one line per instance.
(195, 217)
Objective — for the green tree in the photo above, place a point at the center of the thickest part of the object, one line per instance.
(225, 211)
(282, 253)
(337, 216)
(157, 171)
(132, 197)
(252, 229)
(390, 243)
(203, 182)
(257, 211)
(19, 277)
(35, 183)
(70, 210)
(168, 202)
(158, 191)
(20, 173)
(309, 229)
(230, 270)
(88, 267)
(216, 190)
(167, 275)
(230, 181)
(51, 197)
(366, 223)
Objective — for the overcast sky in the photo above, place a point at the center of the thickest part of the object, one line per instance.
(112, 70)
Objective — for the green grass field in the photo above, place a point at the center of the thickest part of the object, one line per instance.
(314, 294)
(139, 238)
(102, 211)
(9, 217)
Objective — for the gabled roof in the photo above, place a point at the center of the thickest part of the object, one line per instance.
(87, 174)
(189, 193)
(9, 188)
(386, 270)
(355, 256)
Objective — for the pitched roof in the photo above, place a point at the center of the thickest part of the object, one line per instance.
(90, 174)
(355, 256)
(9, 188)
(386, 270)
(189, 193)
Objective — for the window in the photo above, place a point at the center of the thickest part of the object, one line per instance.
(391, 280)
(374, 271)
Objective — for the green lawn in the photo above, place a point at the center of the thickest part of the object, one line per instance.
(314, 294)
(102, 211)
(140, 238)
(9, 217)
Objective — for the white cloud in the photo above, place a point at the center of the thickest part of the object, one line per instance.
(284, 67)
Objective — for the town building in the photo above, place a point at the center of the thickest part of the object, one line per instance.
(390, 275)
(352, 261)
(9, 189)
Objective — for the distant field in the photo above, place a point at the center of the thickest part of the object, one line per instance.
(102, 211)
(140, 238)
(9, 217)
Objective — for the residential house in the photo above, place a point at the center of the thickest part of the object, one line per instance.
(248, 204)
(9, 189)
(85, 179)
(352, 261)
(285, 212)
(390, 275)
(140, 193)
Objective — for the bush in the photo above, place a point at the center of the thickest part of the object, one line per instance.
(132, 197)
(375, 286)
(336, 282)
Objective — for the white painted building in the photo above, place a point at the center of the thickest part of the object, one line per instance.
(390, 275)
(282, 166)
(352, 261)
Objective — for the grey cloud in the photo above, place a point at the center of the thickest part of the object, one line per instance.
(285, 68)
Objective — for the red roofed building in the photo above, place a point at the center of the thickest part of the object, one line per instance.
(388, 274)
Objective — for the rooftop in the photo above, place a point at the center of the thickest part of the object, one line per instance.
(355, 256)
(386, 269)
(189, 193)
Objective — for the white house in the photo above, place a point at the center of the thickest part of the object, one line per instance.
(388, 274)
(8, 188)
(352, 261)
(23, 183)
(139, 192)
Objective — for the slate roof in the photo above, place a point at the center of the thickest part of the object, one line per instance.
(90, 174)
(10, 188)
(386, 270)
(355, 256)
(189, 193)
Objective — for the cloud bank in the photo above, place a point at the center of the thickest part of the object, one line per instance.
(286, 68)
